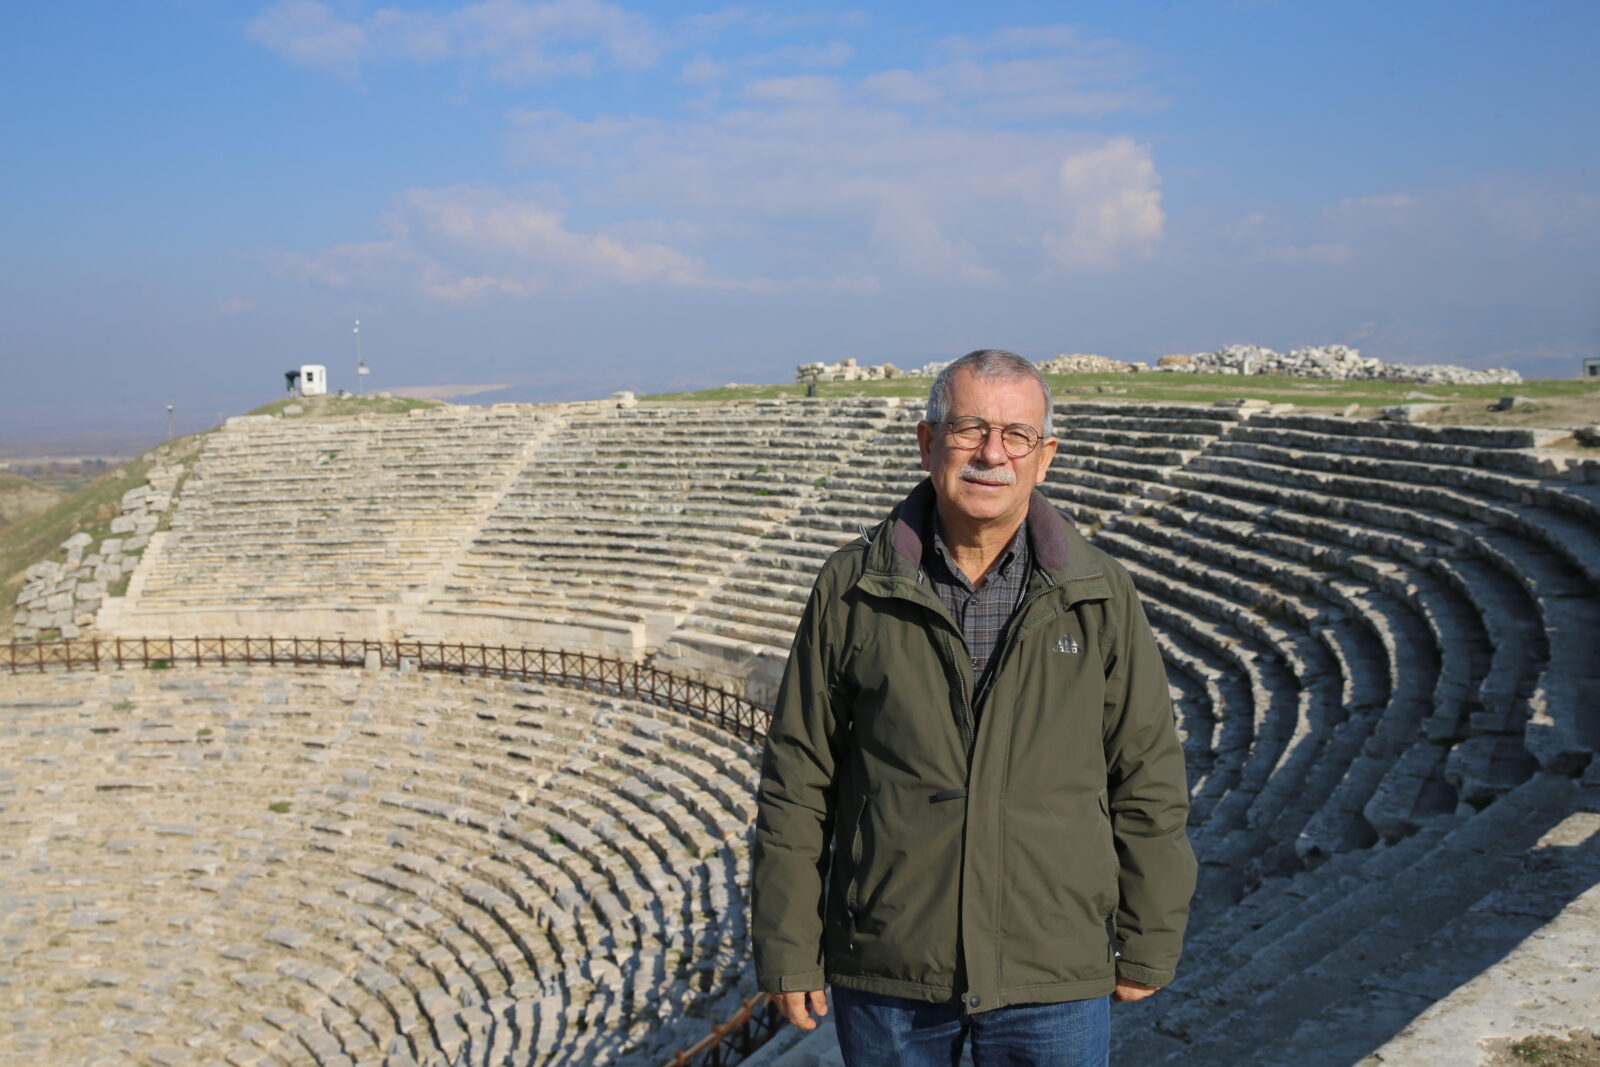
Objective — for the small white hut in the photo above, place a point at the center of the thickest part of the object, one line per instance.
(313, 380)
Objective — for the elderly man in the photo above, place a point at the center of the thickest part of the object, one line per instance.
(972, 803)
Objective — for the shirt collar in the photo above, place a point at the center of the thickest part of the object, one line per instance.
(1016, 550)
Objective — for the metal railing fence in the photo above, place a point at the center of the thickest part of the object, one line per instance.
(737, 715)
(729, 1042)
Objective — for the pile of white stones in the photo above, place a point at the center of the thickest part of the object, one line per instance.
(1080, 363)
(847, 371)
(66, 594)
(1329, 361)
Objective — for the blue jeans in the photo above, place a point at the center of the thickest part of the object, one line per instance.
(881, 1031)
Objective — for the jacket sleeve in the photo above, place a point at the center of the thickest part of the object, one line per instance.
(795, 810)
(1148, 798)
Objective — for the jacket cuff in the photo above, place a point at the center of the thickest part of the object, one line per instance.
(801, 982)
(1153, 976)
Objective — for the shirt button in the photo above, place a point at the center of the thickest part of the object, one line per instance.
(975, 1000)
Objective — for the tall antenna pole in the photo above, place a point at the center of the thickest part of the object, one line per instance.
(169, 422)
(361, 368)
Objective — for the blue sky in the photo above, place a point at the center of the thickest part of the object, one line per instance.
(572, 197)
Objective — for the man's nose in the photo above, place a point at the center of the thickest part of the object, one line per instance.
(993, 449)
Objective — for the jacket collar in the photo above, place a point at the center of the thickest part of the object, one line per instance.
(1059, 550)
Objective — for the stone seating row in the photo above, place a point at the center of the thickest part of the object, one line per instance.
(1323, 951)
(377, 505)
(1444, 633)
(542, 872)
(665, 533)
(747, 620)
(1562, 597)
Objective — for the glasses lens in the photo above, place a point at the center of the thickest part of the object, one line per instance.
(968, 433)
(1019, 440)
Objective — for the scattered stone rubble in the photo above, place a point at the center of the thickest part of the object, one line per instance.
(65, 595)
(847, 371)
(1086, 364)
(1328, 361)
(1322, 361)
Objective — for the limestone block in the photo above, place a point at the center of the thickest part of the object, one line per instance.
(77, 540)
(145, 524)
(90, 590)
(135, 544)
(111, 546)
(122, 524)
(134, 496)
(92, 561)
(46, 571)
(1409, 412)
(59, 602)
(71, 631)
(108, 572)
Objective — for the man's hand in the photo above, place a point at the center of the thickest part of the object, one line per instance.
(1128, 990)
(793, 1006)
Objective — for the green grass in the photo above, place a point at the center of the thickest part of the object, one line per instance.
(89, 510)
(335, 407)
(1165, 387)
(279, 807)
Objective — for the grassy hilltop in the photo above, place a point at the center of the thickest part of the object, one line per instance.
(1554, 402)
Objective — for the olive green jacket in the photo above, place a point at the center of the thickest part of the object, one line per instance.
(914, 838)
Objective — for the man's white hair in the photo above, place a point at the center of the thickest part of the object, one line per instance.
(987, 364)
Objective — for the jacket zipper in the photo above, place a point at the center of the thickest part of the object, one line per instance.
(851, 896)
(969, 725)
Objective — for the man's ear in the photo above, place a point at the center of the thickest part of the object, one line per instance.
(925, 444)
(1047, 453)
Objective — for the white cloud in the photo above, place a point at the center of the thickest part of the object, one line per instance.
(513, 40)
(802, 89)
(809, 188)
(832, 54)
(702, 70)
(811, 179)
(463, 242)
(309, 34)
(1111, 205)
(1024, 73)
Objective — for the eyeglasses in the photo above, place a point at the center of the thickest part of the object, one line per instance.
(966, 434)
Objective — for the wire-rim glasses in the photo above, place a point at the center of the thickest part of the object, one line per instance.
(1019, 439)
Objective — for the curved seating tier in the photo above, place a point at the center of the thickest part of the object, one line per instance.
(356, 512)
(350, 867)
(744, 625)
(1376, 641)
(625, 520)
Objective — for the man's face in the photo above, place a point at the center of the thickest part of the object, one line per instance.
(985, 485)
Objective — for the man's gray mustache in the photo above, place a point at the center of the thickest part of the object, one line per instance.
(972, 472)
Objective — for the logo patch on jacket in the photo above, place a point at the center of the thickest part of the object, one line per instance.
(1066, 643)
